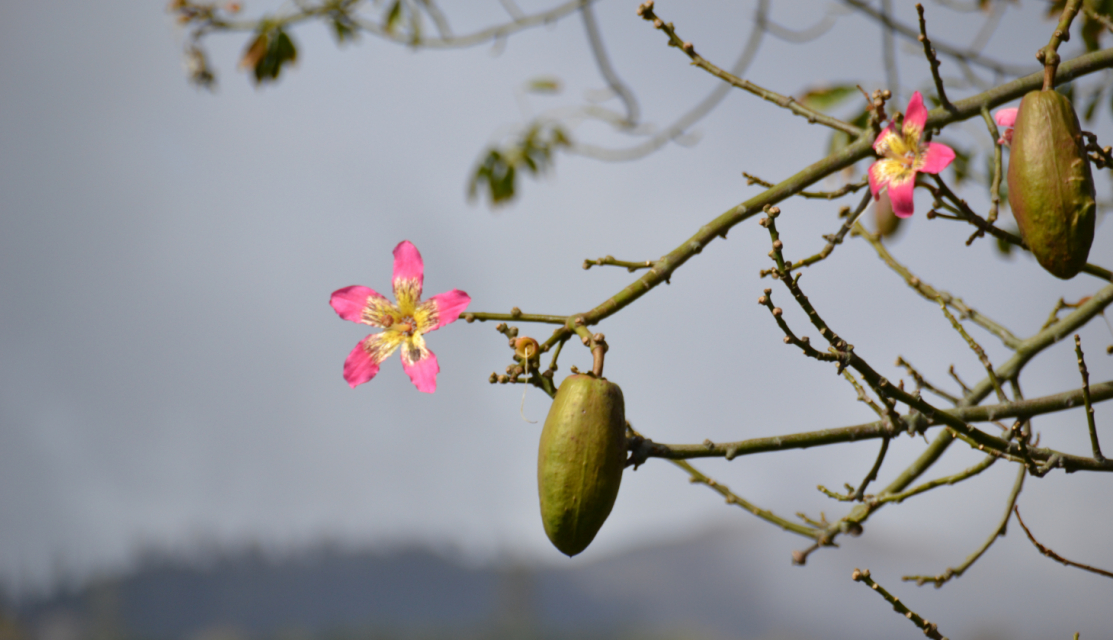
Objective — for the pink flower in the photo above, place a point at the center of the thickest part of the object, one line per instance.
(1006, 118)
(404, 324)
(902, 157)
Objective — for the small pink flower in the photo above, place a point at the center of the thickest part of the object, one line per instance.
(902, 157)
(1006, 118)
(404, 324)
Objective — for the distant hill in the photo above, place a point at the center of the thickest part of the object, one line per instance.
(328, 592)
(733, 583)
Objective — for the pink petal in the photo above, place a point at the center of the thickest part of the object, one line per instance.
(936, 157)
(360, 366)
(423, 372)
(408, 265)
(449, 306)
(1006, 117)
(876, 184)
(878, 141)
(350, 302)
(900, 194)
(916, 116)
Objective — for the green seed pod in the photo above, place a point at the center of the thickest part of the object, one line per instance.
(580, 460)
(1051, 191)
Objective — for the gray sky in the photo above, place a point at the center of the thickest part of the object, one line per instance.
(170, 369)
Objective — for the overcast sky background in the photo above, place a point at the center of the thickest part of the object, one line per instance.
(170, 370)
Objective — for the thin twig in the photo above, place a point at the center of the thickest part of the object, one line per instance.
(967, 56)
(966, 213)
(610, 260)
(977, 349)
(933, 294)
(965, 474)
(698, 478)
(833, 240)
(645, 10)
(923, 383)
(482, 316)
(804, 343)
(888, 49)
(954, 572)
(852, 187)
(1086, 398)
(930, 629)
(929, 53)
(995, 183)
(862, 395)
(1054, 556)
(693, 115)
(605, 69)
(954, 376)
(872, 475)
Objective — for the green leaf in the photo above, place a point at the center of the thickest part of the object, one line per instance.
(531, 152)
(824, 98)
(544, 85)
(342, 30)
(415, 27)
(268, 53)
(393, 16)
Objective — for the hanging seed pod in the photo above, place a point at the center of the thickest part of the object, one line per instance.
(580, 460)
(1051, 191)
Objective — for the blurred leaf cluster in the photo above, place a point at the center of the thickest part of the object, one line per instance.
(498, 172)
(268, 53)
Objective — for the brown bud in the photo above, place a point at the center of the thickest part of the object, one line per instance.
(526, 348)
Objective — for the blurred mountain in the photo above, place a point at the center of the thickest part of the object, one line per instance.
(729, 583)
(665, 592)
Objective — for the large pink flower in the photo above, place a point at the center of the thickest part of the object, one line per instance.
(1006, 118)
(404, 324)
(902, 157)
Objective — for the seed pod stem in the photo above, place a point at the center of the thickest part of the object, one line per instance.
(1049, 55)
